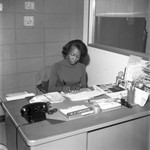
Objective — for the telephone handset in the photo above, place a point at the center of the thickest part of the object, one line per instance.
(35, 112)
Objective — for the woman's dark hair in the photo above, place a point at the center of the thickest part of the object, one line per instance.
(77, 43)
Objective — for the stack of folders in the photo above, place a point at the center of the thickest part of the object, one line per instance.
(77, 111)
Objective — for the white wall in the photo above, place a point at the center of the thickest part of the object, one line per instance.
(104, 65)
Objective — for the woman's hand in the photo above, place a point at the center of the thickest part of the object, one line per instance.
(71, 88)
(75, 87)
(66, 89)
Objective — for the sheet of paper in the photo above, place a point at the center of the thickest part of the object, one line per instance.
(108, 105)
(141, 97)
(39, 98)
(98, 89)
(77, 96)
(55, 97)
(117, 94)
(84, 95)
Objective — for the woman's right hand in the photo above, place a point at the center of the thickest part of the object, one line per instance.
(71, 88)
(66, 89)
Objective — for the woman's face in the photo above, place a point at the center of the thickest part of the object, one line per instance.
(74, 55)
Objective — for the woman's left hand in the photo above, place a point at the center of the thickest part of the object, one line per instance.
(75, 87)
(66, 89)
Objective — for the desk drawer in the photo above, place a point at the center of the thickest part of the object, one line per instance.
(76, 142)
(131, 135)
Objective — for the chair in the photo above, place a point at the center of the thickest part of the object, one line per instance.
(42, 80)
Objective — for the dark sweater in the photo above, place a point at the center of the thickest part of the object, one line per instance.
(63, 73)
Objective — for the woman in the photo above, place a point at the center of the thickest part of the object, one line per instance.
(70, 73)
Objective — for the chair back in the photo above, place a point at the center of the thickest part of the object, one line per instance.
(42, 80)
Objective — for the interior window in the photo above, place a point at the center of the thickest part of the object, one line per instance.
(120, 26)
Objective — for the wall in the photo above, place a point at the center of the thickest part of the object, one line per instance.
(26, 49)
(104, 65)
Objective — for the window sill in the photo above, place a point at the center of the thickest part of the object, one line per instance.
(119, 50)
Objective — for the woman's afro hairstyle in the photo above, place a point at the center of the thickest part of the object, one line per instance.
(76, 43)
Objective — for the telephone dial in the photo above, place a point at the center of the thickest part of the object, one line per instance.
(35, 112)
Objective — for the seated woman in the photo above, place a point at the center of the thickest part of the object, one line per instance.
(69, 74)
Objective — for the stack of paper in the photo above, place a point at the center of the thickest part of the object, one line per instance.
(116, 95)
(84, 95)
(55, 97)
(20, 95)
(107, 103)
(52, 97)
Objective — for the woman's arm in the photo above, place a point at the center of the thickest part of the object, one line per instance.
(56, 85)
(84, 78)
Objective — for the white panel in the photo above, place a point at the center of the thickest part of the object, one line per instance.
(29, 35)
(8, 82)
(57, 6)
(28, 65)
(8, 67)
(57, 34)
(30, 50)
(57, 20)
(26, 79)
(49, 61)
(7, 52)
(54, 48)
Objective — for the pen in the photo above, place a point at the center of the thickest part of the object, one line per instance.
(64, 82)
(68, 88)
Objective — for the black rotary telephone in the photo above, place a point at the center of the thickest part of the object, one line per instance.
(35, 112)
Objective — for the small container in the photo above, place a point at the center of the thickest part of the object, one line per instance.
(96, 108)
(130, 96)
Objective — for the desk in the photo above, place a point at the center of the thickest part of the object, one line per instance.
(118, 129)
